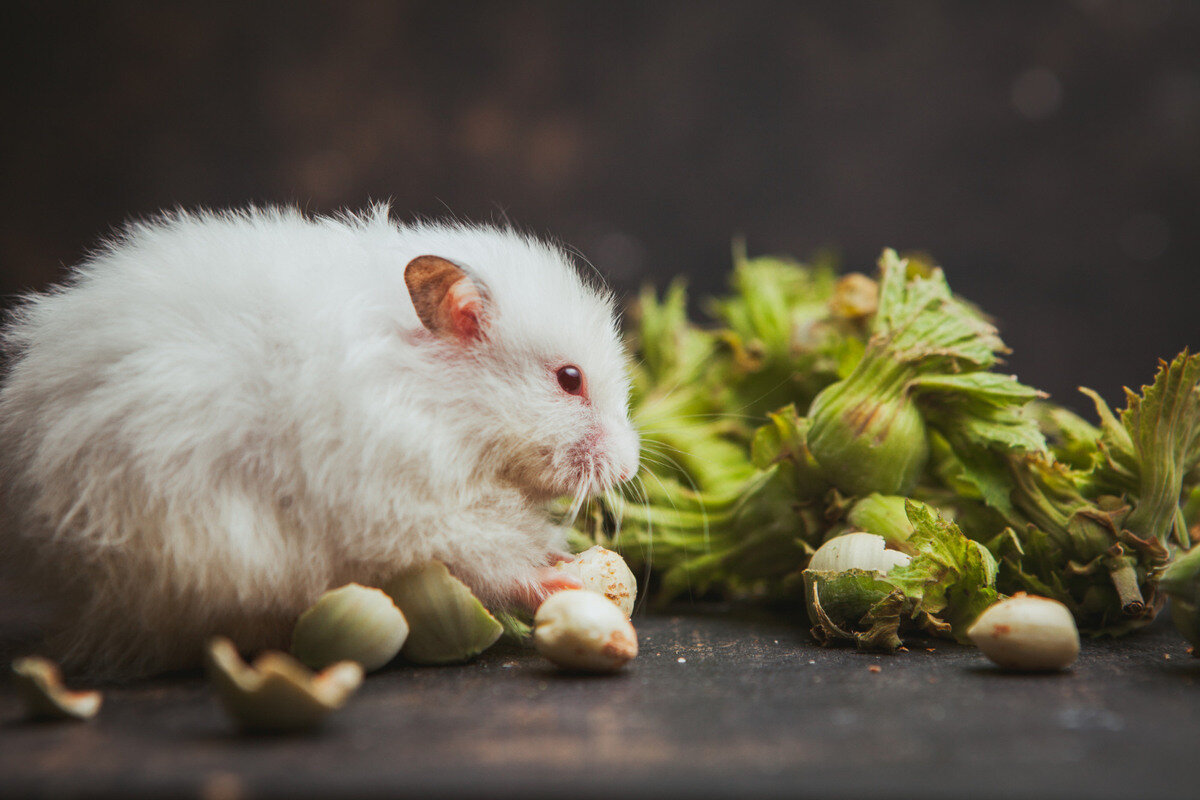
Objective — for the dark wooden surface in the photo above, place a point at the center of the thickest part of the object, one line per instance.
(721, 702)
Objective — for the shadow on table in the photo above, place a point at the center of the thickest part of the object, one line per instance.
(1000, 673)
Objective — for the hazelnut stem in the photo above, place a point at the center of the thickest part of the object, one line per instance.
(1125, 580)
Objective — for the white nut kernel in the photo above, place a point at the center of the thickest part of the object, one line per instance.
(857, 551)
(1026, 632)
(582, 630)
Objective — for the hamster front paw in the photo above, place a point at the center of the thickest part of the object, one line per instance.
(547, 581)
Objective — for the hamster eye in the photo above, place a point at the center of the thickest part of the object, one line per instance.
(570, 378)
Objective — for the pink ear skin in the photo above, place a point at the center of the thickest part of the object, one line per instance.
(446, 301)
(463, 307)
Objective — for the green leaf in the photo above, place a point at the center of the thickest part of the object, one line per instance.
(669, 345)
(773, 297)
(1116, 448)
(921, 321)
(1002, 429)
(1164, 428)
(950, 576)
(987, 474)
(992, 388)
(981, 418)
(783, 437)
(1071, 438)
(783, 440)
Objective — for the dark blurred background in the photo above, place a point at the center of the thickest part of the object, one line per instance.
(1048, 154)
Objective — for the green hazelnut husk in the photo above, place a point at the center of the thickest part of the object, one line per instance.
(447, 623)
(882, 514)
(867, 434)
(352, 623)
(1181, 582)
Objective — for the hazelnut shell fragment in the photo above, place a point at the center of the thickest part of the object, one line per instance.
(39, 683)
(447, 623)
(278, 693)
(353, 623)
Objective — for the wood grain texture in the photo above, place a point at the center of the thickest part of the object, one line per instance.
(717, 704)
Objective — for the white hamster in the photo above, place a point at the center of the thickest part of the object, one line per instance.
(221, 415)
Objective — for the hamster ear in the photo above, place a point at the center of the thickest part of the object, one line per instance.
(447, 301)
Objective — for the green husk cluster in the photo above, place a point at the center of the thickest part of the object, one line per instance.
(949, 582)
(814, 405)
(1181, 581)
(1114, 518)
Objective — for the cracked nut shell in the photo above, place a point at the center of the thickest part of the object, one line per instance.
(353, 623)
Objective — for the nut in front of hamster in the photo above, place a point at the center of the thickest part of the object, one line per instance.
(221, 415)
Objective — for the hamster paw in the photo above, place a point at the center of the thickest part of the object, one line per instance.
(549, 580)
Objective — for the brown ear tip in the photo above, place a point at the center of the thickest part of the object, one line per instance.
(435, 273)
(424, 268)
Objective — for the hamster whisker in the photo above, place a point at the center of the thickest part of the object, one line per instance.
(662, 446)
(638, 486)
(714, 415)
(580, 497)
(591, 481)
(762, 396)
(616, 502)
(675, 507)
(668, 462)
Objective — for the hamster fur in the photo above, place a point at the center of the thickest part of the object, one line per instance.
(221, 415)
